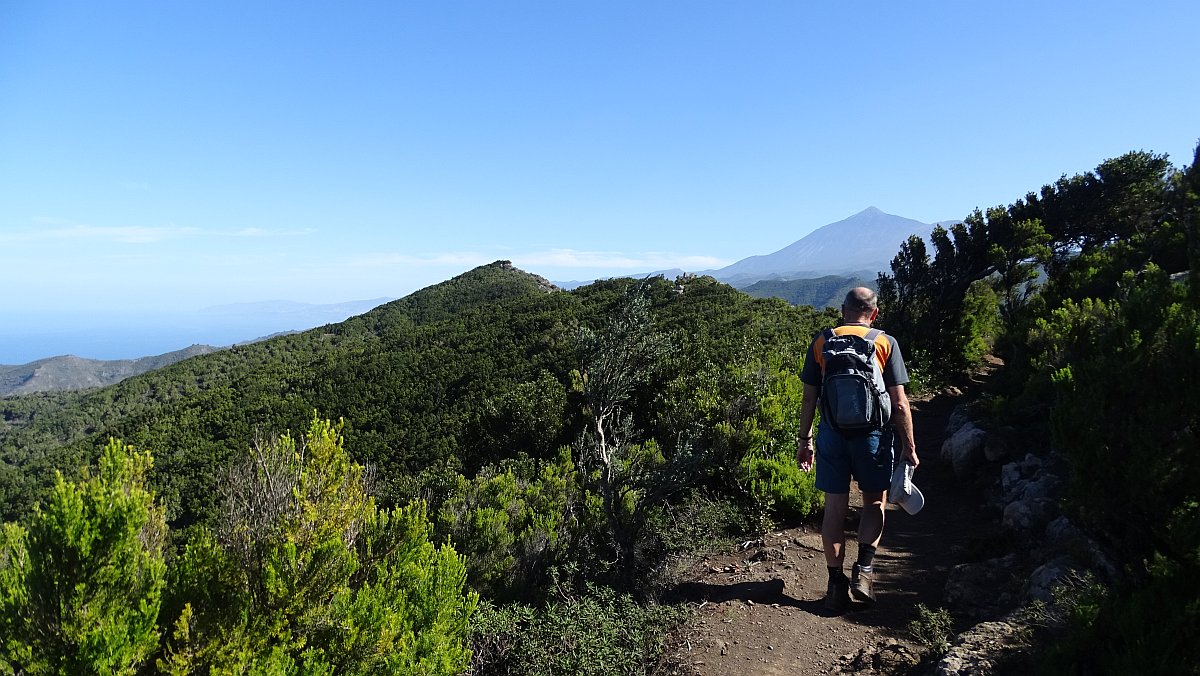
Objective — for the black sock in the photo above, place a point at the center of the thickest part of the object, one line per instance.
(836, 574)
(866, 554)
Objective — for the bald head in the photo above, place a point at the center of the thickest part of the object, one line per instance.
(861, 305)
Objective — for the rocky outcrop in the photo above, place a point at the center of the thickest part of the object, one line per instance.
(984, 649)
(885, 657)
(1047, 550)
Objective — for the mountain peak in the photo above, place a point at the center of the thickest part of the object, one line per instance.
(860, 244)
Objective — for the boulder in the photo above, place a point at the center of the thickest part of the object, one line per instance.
(1062, 531)
(1010, 479)
(886, 657)
(1044, 487)
(1015, 477)
(996, 448)
(958, 418)
(1045, 577)
(964, 450)
(1066, 536)
(1024, 514)
(767, 554)
(982, 649)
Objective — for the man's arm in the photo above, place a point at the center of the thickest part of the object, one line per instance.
(902, 423)
(808, 411)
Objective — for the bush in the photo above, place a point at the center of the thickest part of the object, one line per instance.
(304, 575)
(778, 487)
(511, 524)
(932, 629)
(597, 633)
(80, 591)
(1151, 629)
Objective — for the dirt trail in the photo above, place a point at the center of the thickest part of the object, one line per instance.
(761, 608)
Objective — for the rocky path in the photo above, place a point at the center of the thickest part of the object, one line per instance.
(761, 606)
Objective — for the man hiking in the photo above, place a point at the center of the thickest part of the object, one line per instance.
(860, 418)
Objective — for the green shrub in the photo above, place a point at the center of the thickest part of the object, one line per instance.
(598, 633)
(932, 629)
(777, 485)
(511, 524)
(1150, 629)
(80, 590)
(305, 574)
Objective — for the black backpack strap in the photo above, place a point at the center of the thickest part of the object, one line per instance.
(829, 334)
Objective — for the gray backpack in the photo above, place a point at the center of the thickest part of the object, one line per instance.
(853, 395)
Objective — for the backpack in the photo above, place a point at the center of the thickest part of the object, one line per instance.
(853, 395)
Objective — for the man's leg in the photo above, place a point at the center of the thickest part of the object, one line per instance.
(870, 523)
(870, 530)
(833, 479)
(833, 537)
(833, 528)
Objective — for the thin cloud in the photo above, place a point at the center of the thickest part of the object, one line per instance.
(266, 232)
(451, 259)
(130, 234)
(641, 261)
(556, 258)
(55, 229)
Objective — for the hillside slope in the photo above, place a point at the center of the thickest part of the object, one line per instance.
(69, 372)
(827, 291)
(457, 375)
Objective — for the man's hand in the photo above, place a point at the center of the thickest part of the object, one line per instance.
(910, 455)
(804, 454)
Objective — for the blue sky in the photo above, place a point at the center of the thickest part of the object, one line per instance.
(168, 156)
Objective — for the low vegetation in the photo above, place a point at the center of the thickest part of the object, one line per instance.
(303, 573)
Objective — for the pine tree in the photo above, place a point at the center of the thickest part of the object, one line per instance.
(80, 590)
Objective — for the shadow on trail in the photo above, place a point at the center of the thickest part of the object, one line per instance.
(765, 593)
(768, 592)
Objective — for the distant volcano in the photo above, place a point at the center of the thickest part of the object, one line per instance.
(864, 244)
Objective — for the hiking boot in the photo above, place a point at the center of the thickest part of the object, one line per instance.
(860, 586)
(837, 594)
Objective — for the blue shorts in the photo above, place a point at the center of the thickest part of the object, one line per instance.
(866, 456)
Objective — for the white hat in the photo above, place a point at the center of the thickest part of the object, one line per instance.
(904, 492)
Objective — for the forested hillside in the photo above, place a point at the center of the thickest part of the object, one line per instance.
(561, 440)
(828, 291)
(1087, 290)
